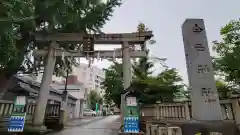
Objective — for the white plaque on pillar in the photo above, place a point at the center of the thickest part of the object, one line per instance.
(204, 96)
(131, 101)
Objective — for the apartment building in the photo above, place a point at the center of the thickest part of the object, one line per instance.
(91, 77)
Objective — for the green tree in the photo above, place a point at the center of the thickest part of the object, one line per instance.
(19, 19)
(162, 87)
(224, 90)
(151, 88)
(227, 62)
(93, 98)
(113, 83)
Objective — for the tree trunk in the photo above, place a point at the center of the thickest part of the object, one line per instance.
(4, 84)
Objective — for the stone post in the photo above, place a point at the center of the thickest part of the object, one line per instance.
(157, 111)
(81, 108)
(187, 111)
(236, 110)
(64, 107)
(204, 95)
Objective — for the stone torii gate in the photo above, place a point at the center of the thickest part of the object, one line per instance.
(127, 40)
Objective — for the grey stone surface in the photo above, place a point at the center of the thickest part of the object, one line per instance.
(204, 96)
(207, 127)
(80, 122)
(96, 127)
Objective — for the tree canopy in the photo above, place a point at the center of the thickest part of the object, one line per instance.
(162, 87)
(223, 89)
(227, 61)
(150, 88)
(113, 83)
(19, 19)
(93, 98)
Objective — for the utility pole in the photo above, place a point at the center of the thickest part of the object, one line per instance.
(64, 101)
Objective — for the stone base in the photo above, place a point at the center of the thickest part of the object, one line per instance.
(54, 125)
(35, 130)
(123, 133)
(207, 127)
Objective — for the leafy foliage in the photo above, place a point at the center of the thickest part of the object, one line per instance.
(162, 87)
(20, 18)
(228, 60)
(113, 83)
(224, 90)
(93, 98)
(142, 68)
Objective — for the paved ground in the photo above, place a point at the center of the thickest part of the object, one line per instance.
(80, 122)
(103, 126)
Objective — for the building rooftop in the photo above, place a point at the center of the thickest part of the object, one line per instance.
(28, 80)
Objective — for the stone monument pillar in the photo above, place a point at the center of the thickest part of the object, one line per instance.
(204, 95)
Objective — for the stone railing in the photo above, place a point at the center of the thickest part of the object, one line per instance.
(181, 111)
(6, 108)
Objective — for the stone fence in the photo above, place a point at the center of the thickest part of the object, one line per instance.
(181, 111)
(7, 107)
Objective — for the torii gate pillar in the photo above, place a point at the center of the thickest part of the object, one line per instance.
(127, 73)
(49, 64)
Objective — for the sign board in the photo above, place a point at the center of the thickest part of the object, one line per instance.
(131, 111)
(131, 116)
(16, 122)
(20, 101)
(131, 124)
(97, 107)
(131, 101)
(98, 38)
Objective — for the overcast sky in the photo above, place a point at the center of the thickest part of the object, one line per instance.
(165, 17)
